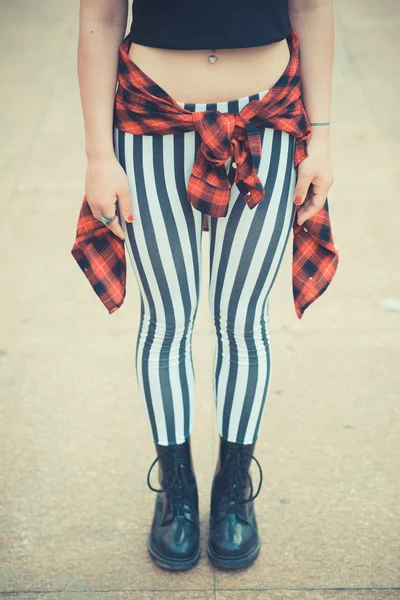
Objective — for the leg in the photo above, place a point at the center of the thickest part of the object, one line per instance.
(246, 250)
(164, 245)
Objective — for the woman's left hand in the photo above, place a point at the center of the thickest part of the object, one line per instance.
(314, 177)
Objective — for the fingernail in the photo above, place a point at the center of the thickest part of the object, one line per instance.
(297, 200)
(130, 218)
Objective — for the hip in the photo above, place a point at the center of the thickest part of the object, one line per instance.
(274, 142)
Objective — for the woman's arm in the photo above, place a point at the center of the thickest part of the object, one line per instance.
(314, 24)
(102, 26)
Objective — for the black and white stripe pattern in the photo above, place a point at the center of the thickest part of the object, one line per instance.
(246, 249)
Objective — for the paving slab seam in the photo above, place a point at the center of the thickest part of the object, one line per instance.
(215, 583)
(215, 590)
(323, 589)
(113, 591)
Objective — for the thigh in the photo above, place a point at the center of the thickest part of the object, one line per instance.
(164, 240)
(247, 246)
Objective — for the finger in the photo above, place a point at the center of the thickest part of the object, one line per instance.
(99, 211)
(125, 205)
(311, 208)
(304, 180)
(114, 226)
(117, 229)
(303, 210)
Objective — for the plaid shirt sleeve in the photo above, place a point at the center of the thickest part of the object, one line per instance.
(315, 259)
(101, 256)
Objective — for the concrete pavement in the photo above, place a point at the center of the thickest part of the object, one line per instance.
(74, 440)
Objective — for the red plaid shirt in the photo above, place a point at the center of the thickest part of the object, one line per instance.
(143, 108)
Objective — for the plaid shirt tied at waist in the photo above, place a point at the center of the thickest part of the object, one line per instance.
(143, 108)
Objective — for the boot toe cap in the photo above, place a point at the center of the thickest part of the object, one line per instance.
(181, 541)
(231, 538)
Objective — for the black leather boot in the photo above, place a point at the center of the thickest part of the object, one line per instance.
(174, 539)
(233, 540)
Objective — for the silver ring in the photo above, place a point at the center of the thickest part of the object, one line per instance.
(107, 220)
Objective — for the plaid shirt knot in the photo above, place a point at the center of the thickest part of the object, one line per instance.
(224, 136)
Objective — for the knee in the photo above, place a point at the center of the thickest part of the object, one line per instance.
(171, 326)
(241, 326)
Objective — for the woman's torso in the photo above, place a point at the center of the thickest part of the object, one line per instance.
(188, 76)
(172, 39)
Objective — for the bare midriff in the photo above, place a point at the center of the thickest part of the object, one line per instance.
(188, 76)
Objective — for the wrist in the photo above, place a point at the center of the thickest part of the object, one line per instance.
(100, 155)
(320, 132)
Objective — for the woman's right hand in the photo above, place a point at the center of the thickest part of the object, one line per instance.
(107, 183)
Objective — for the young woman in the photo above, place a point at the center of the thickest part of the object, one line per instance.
(210, 129)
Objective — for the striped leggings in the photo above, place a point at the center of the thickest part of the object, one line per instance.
(246, 249)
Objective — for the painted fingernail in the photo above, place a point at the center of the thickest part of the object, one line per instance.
(130, 218)
(297, 200)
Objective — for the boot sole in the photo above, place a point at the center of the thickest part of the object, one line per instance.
(237, 562)
(171, 563)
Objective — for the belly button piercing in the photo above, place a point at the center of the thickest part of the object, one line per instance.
(212, 57)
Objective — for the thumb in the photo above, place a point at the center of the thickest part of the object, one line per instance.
(125, 205)
(302, 186)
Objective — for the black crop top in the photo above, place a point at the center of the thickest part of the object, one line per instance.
(208, 24)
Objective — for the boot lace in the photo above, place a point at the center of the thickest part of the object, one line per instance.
(235, 477)
(177, 486)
